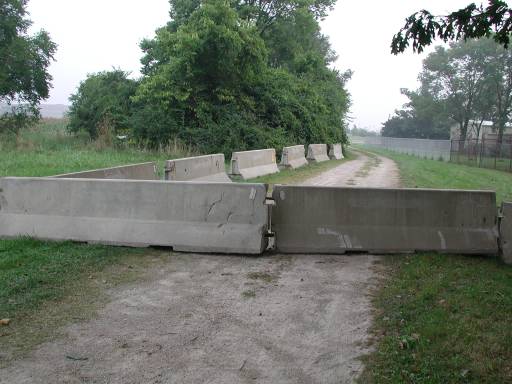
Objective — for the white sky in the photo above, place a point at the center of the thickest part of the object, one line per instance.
(96, 35)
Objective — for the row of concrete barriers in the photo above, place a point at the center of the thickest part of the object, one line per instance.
(246, 164)
(240, 218)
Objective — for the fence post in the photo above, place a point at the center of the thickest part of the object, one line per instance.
(482, 150)
(510, 163)
(495, 154)
(476, 152)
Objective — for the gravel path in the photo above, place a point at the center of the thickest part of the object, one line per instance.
(367, 170)
(227, 319)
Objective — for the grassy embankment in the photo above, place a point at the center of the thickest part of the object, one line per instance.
(440, 318)
(46, 284)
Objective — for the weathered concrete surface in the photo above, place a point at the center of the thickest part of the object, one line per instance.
(335, 220)
(188, 216)
(293, 157)
(251, 164)
(335, 152)
(367, 170)
(198, 168)
(317, 153)
(506, 232)
(191, 322)
(142, 171)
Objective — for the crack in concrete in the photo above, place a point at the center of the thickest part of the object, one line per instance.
(212, 205)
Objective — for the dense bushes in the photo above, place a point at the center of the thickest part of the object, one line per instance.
(102, 100)
(223, 76)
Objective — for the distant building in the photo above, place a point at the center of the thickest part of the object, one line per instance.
(486, 132)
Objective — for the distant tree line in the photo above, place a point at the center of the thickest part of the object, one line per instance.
(225, 75)
(363, 132)
(469, 81)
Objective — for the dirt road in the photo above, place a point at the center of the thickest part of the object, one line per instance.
(367, 170)
(226, 319)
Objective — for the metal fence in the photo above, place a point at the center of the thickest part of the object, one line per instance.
(483, 153)
(424, 148)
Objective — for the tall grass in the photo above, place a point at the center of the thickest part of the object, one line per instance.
(48, 149)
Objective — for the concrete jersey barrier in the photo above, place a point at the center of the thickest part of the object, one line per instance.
(142, 171)
(188, 216)
(250, 164)
(199, 168)
(317, 153)
(334, 220)
(293, 157)
(506, 232)
(335, 152)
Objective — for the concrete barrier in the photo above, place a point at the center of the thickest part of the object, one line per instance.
(250, 164)
(293, 157)
(317, 153)
(142, 171)
(335, 152)
(188, 216)
(506, 232)
(199, 168)
(334, 220)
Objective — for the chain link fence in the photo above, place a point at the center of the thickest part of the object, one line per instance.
(483, 153)
(424, 148)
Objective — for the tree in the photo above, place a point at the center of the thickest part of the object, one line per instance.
(362, 132)
(24, 61)
(468, 83)
(499, 88)
(206, 69)
(261, 14)
(423, 117)
(103, 100)
(458, 77)
(473, 21)
(218, 80)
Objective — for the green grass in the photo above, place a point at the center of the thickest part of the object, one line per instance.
(44, 285)
(443, 318)
(421, 173)
(48, 149)
(32, 271)
(500, 163)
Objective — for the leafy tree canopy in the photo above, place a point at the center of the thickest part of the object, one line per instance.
(422, 28)
(465, 84)
(102, 101)
(422, 117)
(215, 78)
(24, 60)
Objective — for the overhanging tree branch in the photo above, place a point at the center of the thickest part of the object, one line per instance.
(422, 28)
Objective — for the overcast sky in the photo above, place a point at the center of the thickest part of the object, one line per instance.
(96, 35)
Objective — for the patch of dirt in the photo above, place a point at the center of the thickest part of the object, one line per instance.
(192, 324)
(367, 170)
